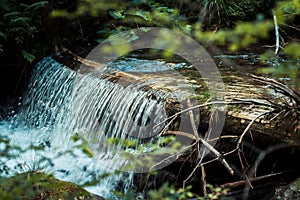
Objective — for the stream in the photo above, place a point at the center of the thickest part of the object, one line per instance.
(64, 121)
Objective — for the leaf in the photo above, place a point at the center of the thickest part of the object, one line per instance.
(59, 13)
(12, 14)
(20, 21)
(36, 6)
(87, 151)
(28, 56)
(143, 14)
(117, 14)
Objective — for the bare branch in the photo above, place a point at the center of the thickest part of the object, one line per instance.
(276, 33)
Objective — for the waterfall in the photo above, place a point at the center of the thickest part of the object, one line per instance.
(61, 104)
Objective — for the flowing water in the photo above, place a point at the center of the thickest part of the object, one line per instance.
(66, 118)
(71, 115)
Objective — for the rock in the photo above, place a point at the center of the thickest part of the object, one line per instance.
(40, 186)
(289, 192)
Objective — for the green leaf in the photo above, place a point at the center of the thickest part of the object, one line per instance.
(20, 21)
(117, 14)
(12, 14)
(36, 6)
(28, 56)
(143, 14)
(87, 151)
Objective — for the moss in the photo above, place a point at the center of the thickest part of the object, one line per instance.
(40, 186)
(296, 185)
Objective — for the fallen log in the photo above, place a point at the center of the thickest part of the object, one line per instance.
(254, 96)
(257, 109)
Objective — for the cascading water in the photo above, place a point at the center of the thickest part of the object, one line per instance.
(62, 104)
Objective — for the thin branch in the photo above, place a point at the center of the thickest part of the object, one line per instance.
(209, 146)
(203, 180)
(169, 132)
(276, 33)
(293, 27)
(201, 106)
(248, 127)
(192, 120)
(279, 86)
(243, 182)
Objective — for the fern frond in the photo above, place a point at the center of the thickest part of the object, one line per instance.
(12, 14)
(17, 30)
(36, 6)
(20, 21)
(28, 56)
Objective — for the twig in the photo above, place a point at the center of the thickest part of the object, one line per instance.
(192, 120)
(203, 180)
(279, 86)
(166, 127)
(293, 27)
(255, 101)
(179, 133)
(261, 156)
(200, 106)
(243, 182)
(276, 33)
(169, 132)
(223, 137)
(242, 136)
(248, 127)
(209, 146)
(218, 155)
(191, 174)
(277, 115)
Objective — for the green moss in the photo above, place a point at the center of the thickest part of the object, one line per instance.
(39, 186)
(297, 184)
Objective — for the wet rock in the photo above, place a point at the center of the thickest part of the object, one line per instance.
(289, 192)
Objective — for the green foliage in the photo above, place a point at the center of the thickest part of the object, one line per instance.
(21, 25)
(169, 192)
(241, 36)
(92, 7)
(123, 15)
(287, 10)
(215, 192)
(292, 49)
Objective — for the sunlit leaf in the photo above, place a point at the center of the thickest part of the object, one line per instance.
(117, 14)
